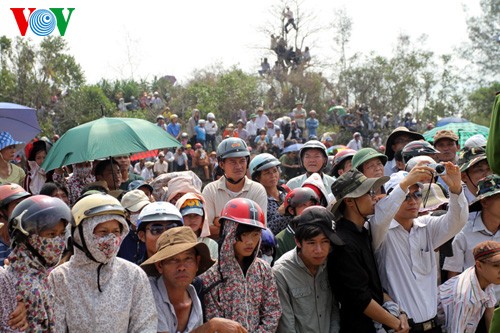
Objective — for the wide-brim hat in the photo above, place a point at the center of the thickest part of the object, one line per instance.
(354, 184)
(7, 140)
(398, 131)
(175, 241)
(435, 198)
(468, 157)
(488, 186)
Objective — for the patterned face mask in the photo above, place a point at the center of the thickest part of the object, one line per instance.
(49, 248)
(107, 247)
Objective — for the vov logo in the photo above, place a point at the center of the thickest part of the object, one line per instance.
(42, 22)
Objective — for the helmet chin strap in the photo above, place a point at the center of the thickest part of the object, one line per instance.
(232, 181)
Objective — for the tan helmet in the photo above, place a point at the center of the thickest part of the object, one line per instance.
(95, 205)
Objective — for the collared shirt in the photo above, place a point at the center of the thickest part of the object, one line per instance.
(279, 141)
(354, 278)
(174, 129)
(167, 320)
(407, 263)
(217, 195)
(462, 302)
(472, 234)
(261, 121)
(307, 301)
(355, 144)
(251, 127)
(211, 127)
(160, 167)
(301, 122)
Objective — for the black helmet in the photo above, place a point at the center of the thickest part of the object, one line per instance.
(232, 147)
(417, 148)
(298, 196)
(35, 214)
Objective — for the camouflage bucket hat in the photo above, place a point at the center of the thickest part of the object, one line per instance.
(488, 186)
(470, 156)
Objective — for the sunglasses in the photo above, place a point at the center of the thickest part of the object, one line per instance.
(414, 195)
(158, 229)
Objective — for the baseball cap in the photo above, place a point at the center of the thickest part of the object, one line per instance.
(445, 134)
(321, 217)
(134, 200)
(137, 184)
(192, 206)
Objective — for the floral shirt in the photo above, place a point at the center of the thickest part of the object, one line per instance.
(7, 300)
(275, 221)
(251, 299)
(31, 281)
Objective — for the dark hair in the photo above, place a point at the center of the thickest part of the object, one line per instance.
(242, 228)
(37, 147)
(49, 188)
(101, 165)
(306, 232)
(398, 156)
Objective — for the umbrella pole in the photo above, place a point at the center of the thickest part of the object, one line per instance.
(112, 172)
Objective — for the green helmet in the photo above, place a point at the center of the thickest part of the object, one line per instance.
(365, 154)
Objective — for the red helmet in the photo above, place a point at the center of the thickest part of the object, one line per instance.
(340, 157)
(244, 211)
(11, 192)
(300, 196)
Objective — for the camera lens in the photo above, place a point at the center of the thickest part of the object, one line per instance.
(440, 168)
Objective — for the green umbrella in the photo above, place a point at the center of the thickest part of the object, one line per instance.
(104, 138)
(463, 130)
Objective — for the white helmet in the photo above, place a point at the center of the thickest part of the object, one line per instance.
(210, 116)
(160, 211)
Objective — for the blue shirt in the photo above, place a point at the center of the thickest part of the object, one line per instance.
(312, 124)
(174, 129)
(4, 252)
(201, 133)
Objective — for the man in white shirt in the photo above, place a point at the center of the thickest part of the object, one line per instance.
(356, 143)
(161, 165)
(299, 115)
(261, 119)
(211, 130)
(406, 257)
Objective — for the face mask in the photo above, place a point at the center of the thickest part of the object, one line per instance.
(266, 258)
(134, 218)
(105, 247)
(82, 172)
(49, 248)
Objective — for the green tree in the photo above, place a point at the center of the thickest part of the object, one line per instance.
(480, 102)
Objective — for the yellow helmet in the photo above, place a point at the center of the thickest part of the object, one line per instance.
(94, 205)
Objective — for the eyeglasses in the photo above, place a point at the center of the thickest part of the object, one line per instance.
(414, 195)
(158, 229)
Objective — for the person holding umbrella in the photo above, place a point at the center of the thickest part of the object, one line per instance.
(9, 172)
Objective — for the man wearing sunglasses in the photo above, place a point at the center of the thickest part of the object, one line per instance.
(406, 258)
(154, 219)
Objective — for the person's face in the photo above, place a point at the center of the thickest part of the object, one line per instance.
(347, 166)
(180, 270)
(313, 160)
(113, 179)
(492, 206)
(269, 177)
(160, 121)
(366, 203)
(123, 162)
(151, 233)
(58, 193)
(247, 243)
(108, 227)
(400, 142)
(314, 251)
(40, 157)
(58, 230)
(194, 221)
(8, 153)
(373, 168)
(260, 113)
(473, 174)
(234, 167)
(489, 271)
(411, 205)
(448, 149)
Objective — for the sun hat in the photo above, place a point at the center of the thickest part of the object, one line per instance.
(134, 200)
(354, 184)
(487, 250)
(394, 134)
(175, 241)
(7, 140)
(149, 164)
(467, 157)
(318, 216)
(299, 102)
(488, 186)
(137, 184)
(365, 154)
(192, 206)
(435, 198)
(445, 134)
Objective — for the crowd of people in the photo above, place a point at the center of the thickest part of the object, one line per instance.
(240, 234)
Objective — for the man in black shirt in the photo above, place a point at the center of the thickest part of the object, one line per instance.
(352, 268)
